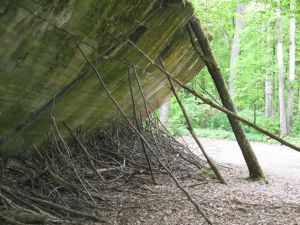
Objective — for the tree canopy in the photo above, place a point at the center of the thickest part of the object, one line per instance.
(257, 63)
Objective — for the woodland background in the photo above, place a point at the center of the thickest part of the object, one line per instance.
(256, 44)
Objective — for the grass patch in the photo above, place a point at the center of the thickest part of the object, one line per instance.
(229, 135)
(207, 172)
(259, 180)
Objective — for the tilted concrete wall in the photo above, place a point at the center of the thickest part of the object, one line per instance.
(41, 68)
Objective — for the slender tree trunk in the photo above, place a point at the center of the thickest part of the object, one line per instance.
(164, 113)
(282, 109)
(235, 50)
(268, 98)
(254, 168)
(269, 74)
(299, 98)
(254, 113)
(274, 84)
(226, 38)
(292, 60)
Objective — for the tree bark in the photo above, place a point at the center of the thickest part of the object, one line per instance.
(299, 98)
(226, 38)
(254, 168)
(275, 107)
(292, 61)
(282, 109)
(235, 50)
(164, 113)
(268, 98)
(269, 74)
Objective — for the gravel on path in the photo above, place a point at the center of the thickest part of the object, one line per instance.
(275, 160)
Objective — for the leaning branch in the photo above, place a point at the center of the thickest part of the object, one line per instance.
(191, 130)
(86, 152)
(199, 210)
(212, 104)
(138, 127)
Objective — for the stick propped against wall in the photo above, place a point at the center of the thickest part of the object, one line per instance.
(191, 130)
(214, 105)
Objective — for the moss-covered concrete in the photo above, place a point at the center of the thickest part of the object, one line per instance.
(40, 65)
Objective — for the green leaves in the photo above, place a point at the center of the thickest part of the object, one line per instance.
(257, 62)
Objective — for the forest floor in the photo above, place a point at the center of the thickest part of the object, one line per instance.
(130, 198)
(240, 202)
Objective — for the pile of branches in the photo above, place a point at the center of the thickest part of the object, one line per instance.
(67, 181)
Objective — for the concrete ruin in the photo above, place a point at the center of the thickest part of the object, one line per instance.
(42, 69)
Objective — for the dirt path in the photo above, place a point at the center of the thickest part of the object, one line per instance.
(241, 202)
(275, 160)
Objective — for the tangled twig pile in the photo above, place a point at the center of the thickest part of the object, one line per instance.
(67, 181)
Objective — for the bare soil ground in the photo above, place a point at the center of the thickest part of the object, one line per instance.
(240, 202)
(275, 159)
(130, 197)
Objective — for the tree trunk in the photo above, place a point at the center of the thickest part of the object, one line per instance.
(227, 39)
(275, 106)
(282, 109)
(299, 99)
(235, 50)
(164, 113)
(268, 98)
(254, 168)
(270, 52)
(292, 53)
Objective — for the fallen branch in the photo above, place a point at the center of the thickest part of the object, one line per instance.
(69, 154)
(25, 216)
(8, 220)
(52, 173)
(60, 208)
(86, 152)
(22, 201)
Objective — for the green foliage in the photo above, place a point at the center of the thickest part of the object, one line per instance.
(257, 63)
(207, 172)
